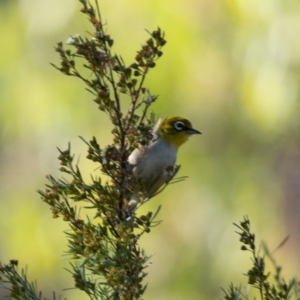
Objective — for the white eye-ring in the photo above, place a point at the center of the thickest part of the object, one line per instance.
(179, 125)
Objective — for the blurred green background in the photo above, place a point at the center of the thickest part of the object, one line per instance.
(231, 66)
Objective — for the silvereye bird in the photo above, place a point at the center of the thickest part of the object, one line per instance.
(150, 163)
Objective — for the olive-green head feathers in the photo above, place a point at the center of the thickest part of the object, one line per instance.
(175, 130)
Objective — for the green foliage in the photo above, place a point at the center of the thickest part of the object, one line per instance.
(20, 287)
(107, 245)
(109, 262)
(269, 289)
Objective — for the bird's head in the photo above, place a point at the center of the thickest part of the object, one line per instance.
(175, 130)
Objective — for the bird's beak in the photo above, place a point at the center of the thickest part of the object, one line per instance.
(192, 131)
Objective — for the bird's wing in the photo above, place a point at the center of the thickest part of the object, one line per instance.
(136, 156)
(155, 128)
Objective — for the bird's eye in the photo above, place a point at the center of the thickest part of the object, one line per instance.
(179, 126)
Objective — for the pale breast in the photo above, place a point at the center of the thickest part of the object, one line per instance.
(150, 163)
